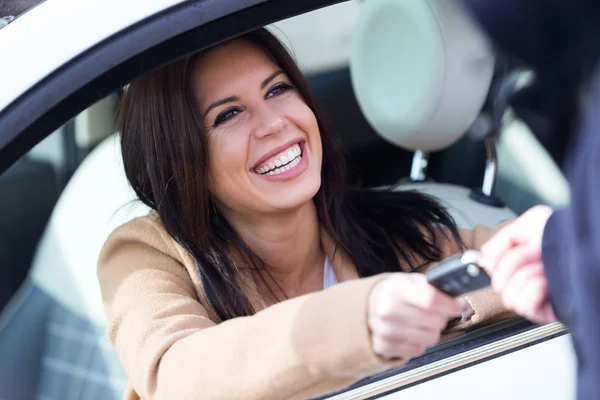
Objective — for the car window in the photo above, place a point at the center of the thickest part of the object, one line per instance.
(321, 39)
(30, 189)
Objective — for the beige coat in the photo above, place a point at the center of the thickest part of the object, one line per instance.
(173, 346)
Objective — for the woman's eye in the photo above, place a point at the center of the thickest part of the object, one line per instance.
(226, 115)
(278, 89)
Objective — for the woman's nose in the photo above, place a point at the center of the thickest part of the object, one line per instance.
(270, 123)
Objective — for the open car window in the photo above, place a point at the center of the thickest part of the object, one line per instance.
(305, 34)
(55, 234)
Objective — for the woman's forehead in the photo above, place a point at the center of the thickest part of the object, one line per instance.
(235, 60)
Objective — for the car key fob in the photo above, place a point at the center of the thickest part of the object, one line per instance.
(459, 274)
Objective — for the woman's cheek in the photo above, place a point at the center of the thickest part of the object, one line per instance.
(228, 155)
(300, 114)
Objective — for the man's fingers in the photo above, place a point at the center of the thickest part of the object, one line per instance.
(513, 289)
(511, 261)
(494, 248)
(546, 314)
(533, 298)
(527, 229)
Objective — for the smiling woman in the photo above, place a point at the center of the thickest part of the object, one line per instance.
(264, 144)
(248, 268)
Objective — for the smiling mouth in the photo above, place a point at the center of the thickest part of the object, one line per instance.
(281, 162)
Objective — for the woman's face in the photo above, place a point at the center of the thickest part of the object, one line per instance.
(264, 141)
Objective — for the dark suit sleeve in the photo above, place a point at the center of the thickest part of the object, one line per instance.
(559, 39)
(571, 246)
(554, 257)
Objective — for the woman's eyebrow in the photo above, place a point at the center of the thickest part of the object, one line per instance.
(231, 99)
(218, 103)
(270, 78)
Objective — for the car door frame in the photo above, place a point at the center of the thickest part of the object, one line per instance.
(145, 45)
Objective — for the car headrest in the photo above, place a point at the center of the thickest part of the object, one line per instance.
(421, 71)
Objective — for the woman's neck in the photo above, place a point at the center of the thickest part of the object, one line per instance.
(290, 246)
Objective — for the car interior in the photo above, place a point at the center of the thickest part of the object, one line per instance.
(413, 110)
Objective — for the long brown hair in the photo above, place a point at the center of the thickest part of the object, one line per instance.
(165, 156)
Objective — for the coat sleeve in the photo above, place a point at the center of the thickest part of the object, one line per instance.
(486, 305)
(171, 349)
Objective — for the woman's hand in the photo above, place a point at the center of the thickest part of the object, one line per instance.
(513, 259)
(406, 315)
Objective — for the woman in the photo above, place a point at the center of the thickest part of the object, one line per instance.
(243, 282)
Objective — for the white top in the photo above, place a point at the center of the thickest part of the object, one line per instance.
(328, 275)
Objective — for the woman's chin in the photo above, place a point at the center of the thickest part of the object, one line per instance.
(293, 198)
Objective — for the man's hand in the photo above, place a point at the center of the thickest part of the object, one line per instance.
(513, 259)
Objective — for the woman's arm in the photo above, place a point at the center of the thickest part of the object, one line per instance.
(172, 350)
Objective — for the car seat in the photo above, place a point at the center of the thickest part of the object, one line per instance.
(52, 332)
(422, 72)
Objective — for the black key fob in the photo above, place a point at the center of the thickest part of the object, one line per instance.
(459, 274)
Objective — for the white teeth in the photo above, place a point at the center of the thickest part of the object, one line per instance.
(284, 168)
(276, 166)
